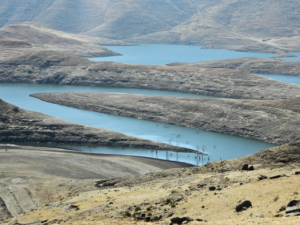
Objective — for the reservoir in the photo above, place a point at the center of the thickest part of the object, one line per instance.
(217, 146)
(162, 54)
(283, 78)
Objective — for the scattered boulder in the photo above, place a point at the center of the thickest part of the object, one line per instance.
(180, 220)
(71, 207)
(292, 214)
(282, 208)
(4, 212)
(251, 168)
(201, 185)
(245, 167)
(277, 176)
(244, 205)
(262, 177)
(211, 188)
(106, 183)
(293, 207)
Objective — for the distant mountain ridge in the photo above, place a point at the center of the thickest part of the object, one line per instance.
(242, 24)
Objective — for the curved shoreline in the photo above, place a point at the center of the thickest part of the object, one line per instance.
(72, 151)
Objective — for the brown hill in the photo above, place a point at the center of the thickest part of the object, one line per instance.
(241, 25)
(43, 38)
(252, 65)
(23, 126)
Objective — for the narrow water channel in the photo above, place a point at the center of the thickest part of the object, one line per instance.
(217, 146)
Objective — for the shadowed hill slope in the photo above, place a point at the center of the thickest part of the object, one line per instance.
(23, 126)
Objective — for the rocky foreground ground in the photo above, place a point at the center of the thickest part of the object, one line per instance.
(207, 195)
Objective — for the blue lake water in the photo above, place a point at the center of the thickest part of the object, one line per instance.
(161, 54)
(283, 78)
(218, 146)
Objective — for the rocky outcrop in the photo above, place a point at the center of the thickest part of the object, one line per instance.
(4, 212)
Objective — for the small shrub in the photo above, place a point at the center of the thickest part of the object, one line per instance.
(276, 198)
(148, 209)
(127, 214)
(168, 201)
(137, 208)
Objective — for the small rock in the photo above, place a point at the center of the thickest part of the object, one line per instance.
(282, 208)
(180, 220)
(170, 214)
(277, 176)
(201, 185)
(245, 167)
(251, 168)
(293, 206)
(292, 214)
(211, 188)
(262, 177)
(297, 173)
(243, 205)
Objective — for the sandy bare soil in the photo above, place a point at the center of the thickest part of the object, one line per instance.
(32, 177)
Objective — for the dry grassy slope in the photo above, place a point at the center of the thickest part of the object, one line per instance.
(270, 121)
(218, 82)
(34, 34)
(252, 65)
(43, 38)
(19, 125)
(155, 192)
(235, 24)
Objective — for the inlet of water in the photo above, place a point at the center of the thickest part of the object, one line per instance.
(218, 146)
